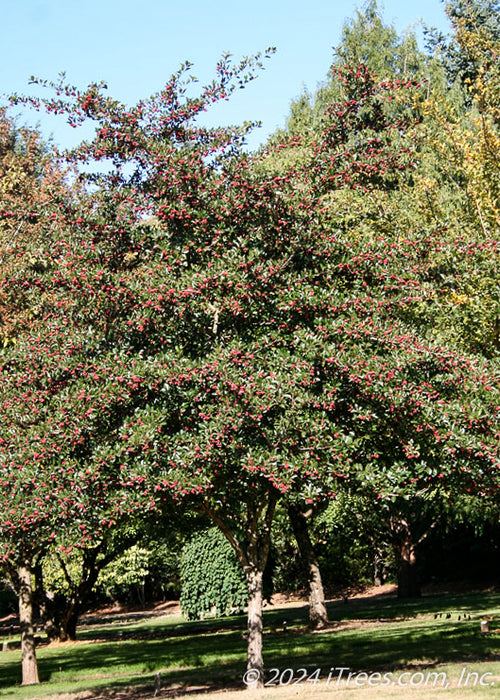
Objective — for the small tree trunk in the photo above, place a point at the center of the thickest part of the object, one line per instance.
(255, 663)
(141, 594)
(29, 663)
(70, 623)
(46, 605)
(404, 546)
(378, 570)
(50, 629)
(318, 615)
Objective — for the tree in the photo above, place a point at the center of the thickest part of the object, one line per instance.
(149, 570)
(66, 576)
(128, 572)
(402, 251)
(53, 445)
(216, 232)
(457, 196)
(115, 256)
(472, 16)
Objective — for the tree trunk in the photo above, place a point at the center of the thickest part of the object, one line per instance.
(378, 570)
(60, 616)
(255, 663)
(67, 628)
(318, 615)
(50, 628)
(29, 664)
(141, 594)
(404, 547)
(46, 604)
(408, 585)
(252, 554)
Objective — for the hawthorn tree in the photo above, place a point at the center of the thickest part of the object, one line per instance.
(66, 397)
(56, 413)
(424, 430)
(436, 230)
(30, 182)
(104, 292)
(247, 346)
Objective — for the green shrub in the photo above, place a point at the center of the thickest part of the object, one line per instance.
(125, 576)
(212, 578)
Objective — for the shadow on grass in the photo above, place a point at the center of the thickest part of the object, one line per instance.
(211, 654)
(388, 606)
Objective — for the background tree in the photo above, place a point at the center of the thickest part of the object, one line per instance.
(66, 576)
(458, 198)
(299, 519)
(472, 16)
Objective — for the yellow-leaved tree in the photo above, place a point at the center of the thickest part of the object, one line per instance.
(460, 192)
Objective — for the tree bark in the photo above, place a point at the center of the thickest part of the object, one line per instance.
(378, 569)
(29, 663)
(318, 616)
(408, 585)
(255, 663)
(404, 548)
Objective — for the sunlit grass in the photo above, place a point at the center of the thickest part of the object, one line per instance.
(367, 635)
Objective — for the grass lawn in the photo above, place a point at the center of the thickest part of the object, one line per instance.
(388, 646)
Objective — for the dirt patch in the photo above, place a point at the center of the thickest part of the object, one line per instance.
(387, 589)
(117, 608)
(301, 598)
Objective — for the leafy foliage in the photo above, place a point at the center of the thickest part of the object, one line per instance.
(212, 577)
(478, 17)
(129, 571)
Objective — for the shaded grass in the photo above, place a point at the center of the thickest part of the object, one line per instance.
(382, 633)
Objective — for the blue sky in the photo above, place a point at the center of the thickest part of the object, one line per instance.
(135, 46)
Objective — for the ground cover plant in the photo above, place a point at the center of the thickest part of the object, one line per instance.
(379, 634)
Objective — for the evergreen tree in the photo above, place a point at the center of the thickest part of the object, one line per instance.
(368, 41)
